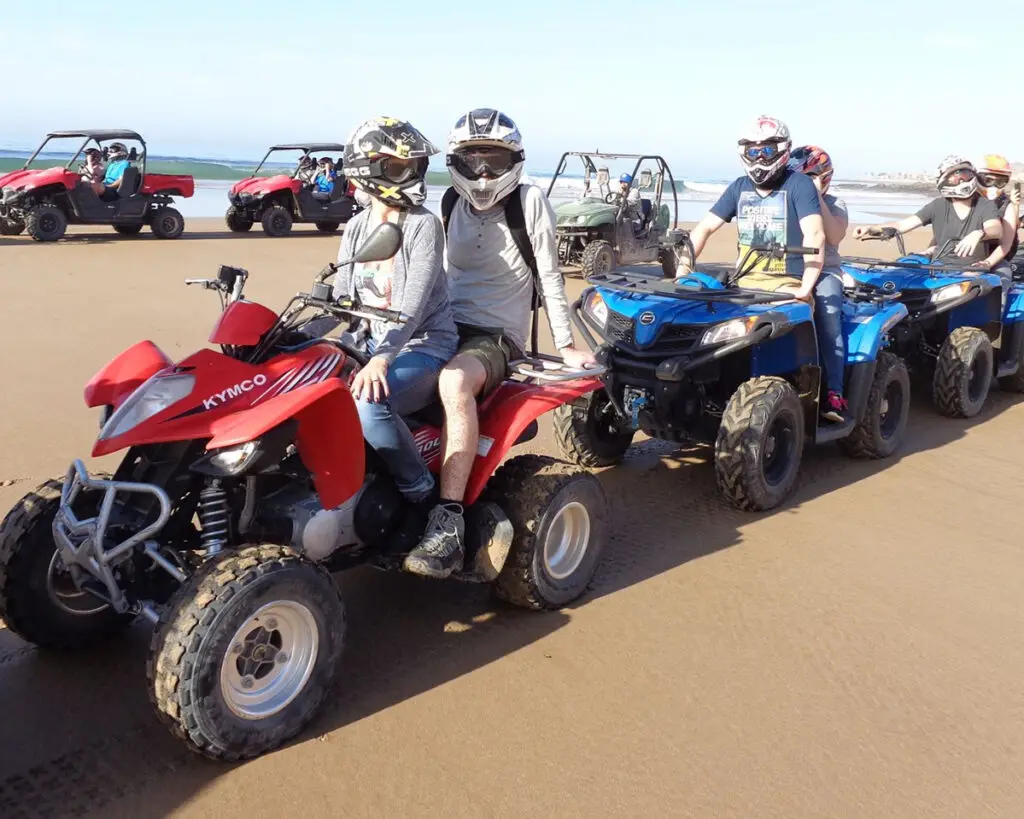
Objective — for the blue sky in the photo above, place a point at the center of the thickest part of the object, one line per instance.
(880, 84)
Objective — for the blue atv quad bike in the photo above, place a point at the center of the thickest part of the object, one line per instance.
(956, 314)
(699, 359)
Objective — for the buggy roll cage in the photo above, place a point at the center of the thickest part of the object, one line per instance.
(587, 157)
(307, 148)
(97, 136)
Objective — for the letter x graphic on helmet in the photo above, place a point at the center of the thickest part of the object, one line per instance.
(485, 157)
(377, 160)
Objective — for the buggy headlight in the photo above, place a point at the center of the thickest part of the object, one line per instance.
(950, 291)
(154, 396)
(729, 330)
(595, 307)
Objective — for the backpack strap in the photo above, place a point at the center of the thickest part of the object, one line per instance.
(516, 220)
(448, 201)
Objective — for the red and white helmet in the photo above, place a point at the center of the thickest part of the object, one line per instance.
(485, 157)
(764, 149)
(957, 178)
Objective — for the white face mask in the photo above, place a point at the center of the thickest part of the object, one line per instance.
(991, 193)
(362, 198)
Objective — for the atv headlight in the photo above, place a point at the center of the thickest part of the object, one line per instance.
(949, 292)
(595, 307)
(729, 330)
(154, 396)
(235, 458)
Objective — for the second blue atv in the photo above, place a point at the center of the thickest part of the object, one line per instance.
(956, 314)
(699, 359)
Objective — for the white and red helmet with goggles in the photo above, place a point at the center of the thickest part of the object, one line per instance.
(957, 178)
(764, 149)
(485, 157)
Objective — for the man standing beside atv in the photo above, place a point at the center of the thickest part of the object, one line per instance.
(773, 203)
(501, 254)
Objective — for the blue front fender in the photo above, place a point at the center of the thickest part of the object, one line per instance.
(865, 331)
(1014, 310)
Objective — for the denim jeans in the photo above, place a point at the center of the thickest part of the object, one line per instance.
(412, 382)
(828, 320)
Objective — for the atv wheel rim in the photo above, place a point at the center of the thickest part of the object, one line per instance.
(47, 223)
(566, 541)
(978, 378)
(891, 410)
(603, 262)
(778, 448)
(269, 660)
(168, 224)
(65, 595)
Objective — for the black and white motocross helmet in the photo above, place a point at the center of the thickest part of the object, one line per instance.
(388, 159)
(956, 178)
(485, 157)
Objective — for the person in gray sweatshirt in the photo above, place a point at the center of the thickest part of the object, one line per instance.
(492, 288)
(387, 159)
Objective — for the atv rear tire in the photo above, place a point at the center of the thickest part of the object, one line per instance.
(38, 606)
(327, 227)
(885, 419)
(277, 221)
(246, 652)
(590, 432)
(167, 223)
(759, 444)
(46, 223)
(963, 373)
(11, 227)
(237, 220)
(128, 230)
(669, 264)
(1015, 382)
(598, 257)
(559, 517)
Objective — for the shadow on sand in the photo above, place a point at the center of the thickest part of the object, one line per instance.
(78, 733)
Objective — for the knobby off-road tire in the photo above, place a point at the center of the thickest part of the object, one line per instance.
(1015, 382)
(46, 223)
(587, 433)
(559, 516)
(204, 649)
(27, 605)
(237, 221)
(759, 444)
(128, 230)
(669, 264)
(277, 221)
(598, 257)
(327, 226)
(963, 373)
(167, 223)
(880, 434)
(11, 227)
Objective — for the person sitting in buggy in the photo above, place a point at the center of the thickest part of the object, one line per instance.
(92, 169)
(638, 208)
(323, 182)
(108, 189)
(306, 170)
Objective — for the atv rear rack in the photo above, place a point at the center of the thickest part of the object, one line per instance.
(639, 283)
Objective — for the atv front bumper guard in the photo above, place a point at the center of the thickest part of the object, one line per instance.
(84, 546)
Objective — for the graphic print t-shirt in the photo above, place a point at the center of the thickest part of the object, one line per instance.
(771, 218)
(373, 283)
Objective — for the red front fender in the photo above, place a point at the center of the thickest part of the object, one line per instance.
(330, 437)
(124, 374)
(507, 413)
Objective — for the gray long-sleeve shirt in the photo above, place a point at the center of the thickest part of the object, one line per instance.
(490, 284)
(413, 283)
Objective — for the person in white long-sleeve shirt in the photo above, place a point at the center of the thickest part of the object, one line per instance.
(491, 287)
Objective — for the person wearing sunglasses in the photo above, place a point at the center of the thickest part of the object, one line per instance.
(962, 221)
(387, 159)
(994, 172)
(815, 163)
(772, 203)
(501, 251)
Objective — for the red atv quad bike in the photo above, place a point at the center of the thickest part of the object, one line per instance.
(45, 200)
(280, 200)
(246, 480)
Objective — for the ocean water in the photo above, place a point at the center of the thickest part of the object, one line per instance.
(865, 206)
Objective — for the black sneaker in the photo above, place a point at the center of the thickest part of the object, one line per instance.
(440, 552)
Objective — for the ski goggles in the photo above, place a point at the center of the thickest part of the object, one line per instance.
(993, 180)
(397, 170)
(486, 160)
(760, 150)
(958, 177)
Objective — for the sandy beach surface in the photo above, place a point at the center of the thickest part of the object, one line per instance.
(855, 653)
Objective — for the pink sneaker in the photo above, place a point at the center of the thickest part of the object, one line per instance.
(835, 406)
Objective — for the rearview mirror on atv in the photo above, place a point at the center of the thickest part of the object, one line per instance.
(381, 244)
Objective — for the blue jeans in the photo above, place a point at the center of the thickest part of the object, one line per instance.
(412, 382)
(828, 321)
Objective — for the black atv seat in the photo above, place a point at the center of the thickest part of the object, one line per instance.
(431, 415)
(129, 182)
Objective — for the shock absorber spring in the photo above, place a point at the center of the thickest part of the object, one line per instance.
(214, 517)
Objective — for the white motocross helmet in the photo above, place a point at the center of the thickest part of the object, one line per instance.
(764, 149)
(956, 167)
(485, 157)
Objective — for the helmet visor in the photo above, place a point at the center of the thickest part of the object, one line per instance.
(398, 170)
(484, 160)
(958, 177)
(753, 151)
(993, 180)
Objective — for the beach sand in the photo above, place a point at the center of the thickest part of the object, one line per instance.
(856, 653)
